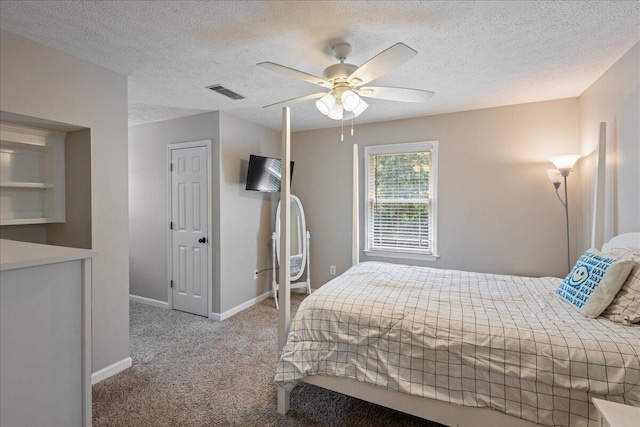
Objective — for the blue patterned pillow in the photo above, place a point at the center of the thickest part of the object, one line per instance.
(594, 281)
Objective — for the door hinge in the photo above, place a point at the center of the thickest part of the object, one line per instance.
(170, 166)
(172, 283)
(171, 225)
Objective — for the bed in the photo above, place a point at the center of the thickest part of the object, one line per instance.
(477, 340)
(458, 348)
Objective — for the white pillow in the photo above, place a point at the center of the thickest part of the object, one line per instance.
(625, 307)
(594, 281)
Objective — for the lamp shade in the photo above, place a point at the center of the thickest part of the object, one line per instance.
(350, 100)
(566, 162)
(554, 176)
(360, 108)
(326, 103)
(336, 112)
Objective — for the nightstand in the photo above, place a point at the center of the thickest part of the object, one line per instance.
(611, 414)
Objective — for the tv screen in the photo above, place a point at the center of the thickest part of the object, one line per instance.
(264, 174)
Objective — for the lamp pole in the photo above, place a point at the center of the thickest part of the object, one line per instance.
(566, 216)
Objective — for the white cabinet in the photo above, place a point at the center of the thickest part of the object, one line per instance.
(612, 414)
(45, 335)
(31, 175)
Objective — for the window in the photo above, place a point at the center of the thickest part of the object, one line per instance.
(400, 200)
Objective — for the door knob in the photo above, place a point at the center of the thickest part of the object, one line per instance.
(203, 240)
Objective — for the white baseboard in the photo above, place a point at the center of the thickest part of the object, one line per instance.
(237, 309)
(110, 370)
(149, 301)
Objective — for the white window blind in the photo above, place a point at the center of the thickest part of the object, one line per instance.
(400, 198)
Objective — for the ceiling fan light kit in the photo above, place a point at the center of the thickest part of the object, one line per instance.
(336, 112)
(360, 108)
(325, 104)
(334, 107)
(344, 80)
(349, 100)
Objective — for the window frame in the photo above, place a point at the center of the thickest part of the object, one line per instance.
(402, 148)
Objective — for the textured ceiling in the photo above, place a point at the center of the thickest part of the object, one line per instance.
(472, 54)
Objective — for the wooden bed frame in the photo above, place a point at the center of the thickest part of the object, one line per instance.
(430, 409)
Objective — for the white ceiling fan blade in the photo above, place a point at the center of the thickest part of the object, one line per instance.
(381, 64)
(300, 98)
(396, 93)
(295, 73)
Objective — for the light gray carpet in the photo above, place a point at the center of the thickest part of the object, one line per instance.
(190, 371)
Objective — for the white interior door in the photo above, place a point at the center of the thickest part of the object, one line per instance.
(189, 235)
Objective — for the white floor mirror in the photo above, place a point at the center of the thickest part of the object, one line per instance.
(299, 236)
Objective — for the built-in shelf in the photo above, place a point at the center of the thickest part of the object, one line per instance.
(33, 185)
(25, 221)
(31, 175)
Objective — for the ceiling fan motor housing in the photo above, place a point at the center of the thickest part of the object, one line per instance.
(338, 74)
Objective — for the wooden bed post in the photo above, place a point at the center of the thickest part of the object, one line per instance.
(355, 231)
(284, 296)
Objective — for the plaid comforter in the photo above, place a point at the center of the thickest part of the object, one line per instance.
(483, 340)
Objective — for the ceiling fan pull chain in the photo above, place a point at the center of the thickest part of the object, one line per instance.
(341, 130)
(351, 126)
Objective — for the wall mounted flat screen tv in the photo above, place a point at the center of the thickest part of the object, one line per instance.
(264, 174)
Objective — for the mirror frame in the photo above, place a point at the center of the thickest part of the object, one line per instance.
(302, 235)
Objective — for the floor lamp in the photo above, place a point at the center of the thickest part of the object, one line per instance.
(564, 165)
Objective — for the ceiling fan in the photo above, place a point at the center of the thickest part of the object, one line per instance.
(345, 82)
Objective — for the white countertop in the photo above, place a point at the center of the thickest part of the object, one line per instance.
(15, 254)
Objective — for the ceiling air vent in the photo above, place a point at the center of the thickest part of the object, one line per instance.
(226, 92)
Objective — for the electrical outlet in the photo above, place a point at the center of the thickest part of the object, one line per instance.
(255, 274)
(332, 270)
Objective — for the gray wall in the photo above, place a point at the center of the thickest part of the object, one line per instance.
(246, 220)
(24, 233)
(497, 210)
(242, 221)
(75, 232)
(42, 82)
(615, 99)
